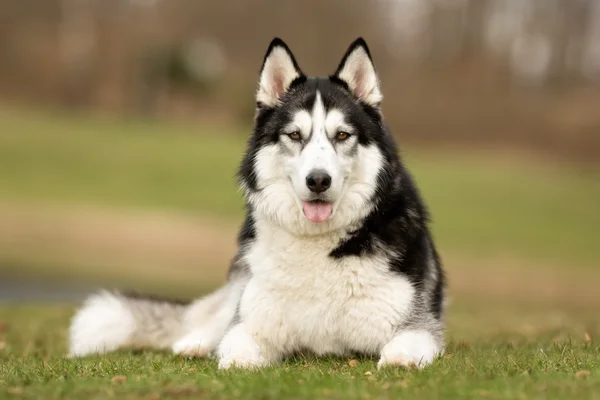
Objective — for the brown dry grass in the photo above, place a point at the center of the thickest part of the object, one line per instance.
(85, 243)
(193, 250)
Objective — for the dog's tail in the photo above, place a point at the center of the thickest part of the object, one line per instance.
(110, 320)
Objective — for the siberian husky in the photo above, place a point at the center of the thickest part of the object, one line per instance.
(335, 254)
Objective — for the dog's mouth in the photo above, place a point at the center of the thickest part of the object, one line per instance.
(317, 210)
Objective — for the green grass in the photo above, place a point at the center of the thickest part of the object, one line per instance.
(507, 365)
(480, 205)
(125, 164)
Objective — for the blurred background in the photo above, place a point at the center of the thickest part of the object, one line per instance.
(122, 123)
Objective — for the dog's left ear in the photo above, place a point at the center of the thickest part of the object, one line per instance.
(358, 72)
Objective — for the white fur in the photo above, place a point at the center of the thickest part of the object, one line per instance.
(277, 75)
(300, 299)
(318, 152)
(277, 200)
(239, 349)
(282, 177)
(409, 348)
(200, 342)
(336, 122)
(359, 73)
(205, 322)
(302, 122)
(108, 321)
(102, 325)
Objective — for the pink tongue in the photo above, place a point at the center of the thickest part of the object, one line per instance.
(316, 211)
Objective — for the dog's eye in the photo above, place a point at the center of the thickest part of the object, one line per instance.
(341, 136)
(295, 136)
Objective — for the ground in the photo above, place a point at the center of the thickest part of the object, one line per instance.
(485, 359)
(154, 207)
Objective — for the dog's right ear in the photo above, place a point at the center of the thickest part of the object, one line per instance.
(278, 71)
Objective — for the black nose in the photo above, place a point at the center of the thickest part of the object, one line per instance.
(318, 181)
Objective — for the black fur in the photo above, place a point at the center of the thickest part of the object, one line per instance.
(359, 42)
(247, 233)
(437, 300)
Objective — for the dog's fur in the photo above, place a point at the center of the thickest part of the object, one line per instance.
(348, 267)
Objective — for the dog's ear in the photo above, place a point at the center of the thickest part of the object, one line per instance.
(278, 71)
(358, 72)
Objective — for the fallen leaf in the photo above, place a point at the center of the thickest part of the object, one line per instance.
(412, 365)
(352, 363)
(588, 337)
(583, 373)
(463, 345)
(368, 373)
(119, 379)
(447, 356)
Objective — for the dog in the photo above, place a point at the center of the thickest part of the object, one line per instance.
(335, 253)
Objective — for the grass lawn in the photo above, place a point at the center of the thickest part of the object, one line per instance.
(495, 362)
(488, 208)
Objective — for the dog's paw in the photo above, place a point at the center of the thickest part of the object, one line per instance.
(409, 349)
(246, 357)
(239, 350)
(397, 360)
(245, 361)
(193, 345)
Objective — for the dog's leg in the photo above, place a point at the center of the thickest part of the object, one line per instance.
(198, 343)
(205, 323)
(410, 348)
(204, 335)
(239, 349)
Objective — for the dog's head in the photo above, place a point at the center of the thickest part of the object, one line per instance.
(315, 155)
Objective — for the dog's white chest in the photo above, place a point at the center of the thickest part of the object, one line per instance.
(300, 298)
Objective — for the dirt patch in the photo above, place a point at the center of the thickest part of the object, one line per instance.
(182, 249)
(521, 280)
(92, 242)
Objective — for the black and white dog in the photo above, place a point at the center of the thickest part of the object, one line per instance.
(335, 255)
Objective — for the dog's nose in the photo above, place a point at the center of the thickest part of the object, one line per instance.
(318, 181)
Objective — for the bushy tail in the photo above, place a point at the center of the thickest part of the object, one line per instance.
(110, 320)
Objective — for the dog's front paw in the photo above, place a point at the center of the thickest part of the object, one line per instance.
(409, 349)
(246, 361)
(239, 350)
